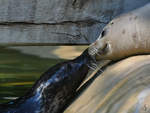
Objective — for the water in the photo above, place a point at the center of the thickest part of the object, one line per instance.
(20, 67)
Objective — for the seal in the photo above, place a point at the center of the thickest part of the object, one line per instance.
(54, 89)
(124, 36)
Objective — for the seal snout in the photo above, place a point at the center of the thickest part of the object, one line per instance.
(98, 48)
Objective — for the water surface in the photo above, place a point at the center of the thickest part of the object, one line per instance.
(20, 67)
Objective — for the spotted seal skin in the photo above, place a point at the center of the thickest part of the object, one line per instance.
(54, 89)
(124, 36)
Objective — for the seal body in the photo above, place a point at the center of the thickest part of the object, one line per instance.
(54, 89)
(126, 35)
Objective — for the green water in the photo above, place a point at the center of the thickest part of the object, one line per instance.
(18, 71)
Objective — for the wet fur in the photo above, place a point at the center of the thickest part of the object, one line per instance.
(54, 89)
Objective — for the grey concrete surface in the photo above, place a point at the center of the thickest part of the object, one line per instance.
(46, 22)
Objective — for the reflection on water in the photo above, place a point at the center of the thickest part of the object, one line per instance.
(21, 66)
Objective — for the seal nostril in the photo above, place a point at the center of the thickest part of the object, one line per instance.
(104, 50)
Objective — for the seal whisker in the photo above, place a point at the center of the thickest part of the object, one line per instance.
(93, 51)
(94, 65)
(101, 70)
(92, 68)
(98, 54)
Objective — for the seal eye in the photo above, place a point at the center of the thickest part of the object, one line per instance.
(103, 33)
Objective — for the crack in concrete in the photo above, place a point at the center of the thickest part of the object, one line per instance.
(67, 34)
(74, 37)
(87, 22)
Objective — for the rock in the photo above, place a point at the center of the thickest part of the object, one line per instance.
(45, 22)
(123, 87)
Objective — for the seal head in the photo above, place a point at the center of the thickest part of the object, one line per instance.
(124, 36)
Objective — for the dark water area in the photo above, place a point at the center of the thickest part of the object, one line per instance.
(20, 67)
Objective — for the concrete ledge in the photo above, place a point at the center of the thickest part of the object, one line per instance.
(46, 22)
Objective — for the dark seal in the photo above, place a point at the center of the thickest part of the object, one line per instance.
(54, 88)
